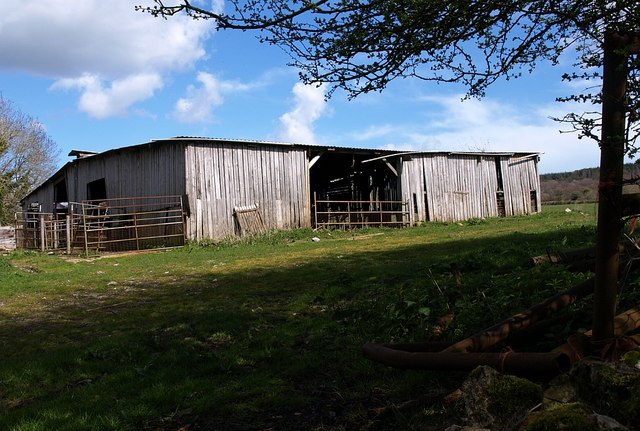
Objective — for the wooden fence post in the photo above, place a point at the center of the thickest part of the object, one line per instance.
(68, 233)
(42, 234)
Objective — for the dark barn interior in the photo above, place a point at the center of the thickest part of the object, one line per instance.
(350, 176)
(351, 189)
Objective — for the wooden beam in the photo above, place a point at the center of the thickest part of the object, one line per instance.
(391, 155)
(390, 166)
(315, 159)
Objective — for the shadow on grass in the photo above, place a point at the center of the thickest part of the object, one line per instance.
(269, 340)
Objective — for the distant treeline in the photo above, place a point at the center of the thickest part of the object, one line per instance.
(577, 186)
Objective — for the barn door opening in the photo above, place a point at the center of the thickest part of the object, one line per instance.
(533, 197)
(60, 197)
(353, 188)
(97, 190)
(500, 201)
(427, 216)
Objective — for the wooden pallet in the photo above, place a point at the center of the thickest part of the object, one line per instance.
(249, 220)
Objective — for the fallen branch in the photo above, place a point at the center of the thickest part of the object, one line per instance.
(489, 337)
(432, 356)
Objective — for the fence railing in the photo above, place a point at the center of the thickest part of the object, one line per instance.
(133, 223)
(46, 231)
(105, 225)
(343, 214)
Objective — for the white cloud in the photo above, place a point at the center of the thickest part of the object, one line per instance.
(66, 38)
(451, 124)
(490, 125)
(198, 105)
(101, 102)
(74, 42)
(297, 124)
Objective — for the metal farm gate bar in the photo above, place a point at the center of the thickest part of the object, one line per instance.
(36, 230)
(346, 214)
(105, 225)
(133, 223)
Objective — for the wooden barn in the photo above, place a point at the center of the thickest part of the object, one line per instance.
(230, 187)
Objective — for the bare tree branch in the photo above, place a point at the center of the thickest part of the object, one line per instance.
(27, 157)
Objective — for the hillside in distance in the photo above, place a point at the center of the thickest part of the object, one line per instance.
(577, 186)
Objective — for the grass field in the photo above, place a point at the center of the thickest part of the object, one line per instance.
(266, 333)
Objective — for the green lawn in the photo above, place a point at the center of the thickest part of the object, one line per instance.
(266, 333)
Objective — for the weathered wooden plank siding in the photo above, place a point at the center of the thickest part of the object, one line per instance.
(149, 170)
(520, 177)
(411, 183)
(44, 196)
(455, 187)
(220, 177)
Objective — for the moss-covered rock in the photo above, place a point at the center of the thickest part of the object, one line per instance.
(510, 396)
(569, 417)
(559, 391)
(594, 396)
(632, 358)
(498, 401)
(612, 389)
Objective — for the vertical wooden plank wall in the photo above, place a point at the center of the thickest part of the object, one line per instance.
(463, 186)
(520, 177)
(459, 187)
(44, 196)
(155, 169)
(221, 176)
(411, 182)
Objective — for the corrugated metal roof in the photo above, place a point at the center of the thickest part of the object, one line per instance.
(325, 146)
(372, 151)
(264, 142)
(222, 140)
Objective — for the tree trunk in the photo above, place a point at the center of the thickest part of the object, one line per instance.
(612, 150)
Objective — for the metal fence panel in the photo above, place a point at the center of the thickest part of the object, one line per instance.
(354, 214)
(106, 225)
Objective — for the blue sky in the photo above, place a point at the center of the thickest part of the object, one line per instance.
(99, 75)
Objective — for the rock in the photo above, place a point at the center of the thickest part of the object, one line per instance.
(607, 423)
(496, 401)
(593, 396)
(570, 417)
(609, 388)
(315, 239)
(632, 358)
(476, 402)
(560, 391)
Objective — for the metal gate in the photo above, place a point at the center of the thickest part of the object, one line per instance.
(106, 225)
(353, 214)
